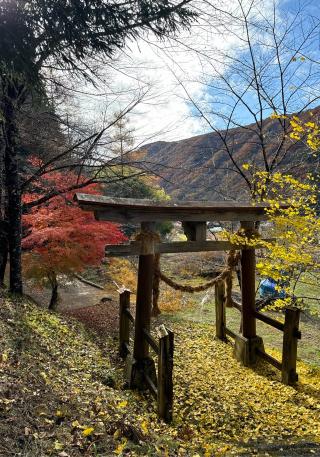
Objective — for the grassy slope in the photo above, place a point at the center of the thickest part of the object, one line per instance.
(61, 393)
(55, 387)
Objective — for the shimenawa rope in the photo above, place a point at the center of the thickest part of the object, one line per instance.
(226, 274)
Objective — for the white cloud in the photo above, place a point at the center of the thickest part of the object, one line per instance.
(165, 112)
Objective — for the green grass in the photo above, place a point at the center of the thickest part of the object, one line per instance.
(309, 287)
(308, 346)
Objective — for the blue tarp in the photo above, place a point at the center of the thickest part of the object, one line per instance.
(267, 288)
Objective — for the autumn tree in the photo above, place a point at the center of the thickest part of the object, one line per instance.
(122, 139)
(40, 132)
(37, 35)
(261, 98)
(292, 260)
(60, 238)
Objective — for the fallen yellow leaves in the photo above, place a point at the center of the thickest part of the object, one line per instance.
(88, 431)
(4, 357)
(119, 449)
(144, 427)
(217, 400)
(220, 408)
(58, 446)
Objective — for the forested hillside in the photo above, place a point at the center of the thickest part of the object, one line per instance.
(201, 168)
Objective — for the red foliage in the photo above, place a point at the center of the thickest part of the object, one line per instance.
(61, 236)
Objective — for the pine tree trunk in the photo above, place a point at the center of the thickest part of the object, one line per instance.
(10, 104)
(53, 305)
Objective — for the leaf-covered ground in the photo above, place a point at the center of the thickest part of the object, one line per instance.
(220, 401)
(62, 394)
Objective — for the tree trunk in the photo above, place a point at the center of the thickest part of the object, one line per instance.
(54, 301)
(3, 203)
(11, 100)
(3, 251)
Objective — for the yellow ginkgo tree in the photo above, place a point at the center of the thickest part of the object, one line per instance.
(292, 257)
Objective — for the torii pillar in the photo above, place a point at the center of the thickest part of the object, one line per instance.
(141, 363)
(246, 345)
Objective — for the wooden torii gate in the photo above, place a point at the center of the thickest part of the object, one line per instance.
(194, 216)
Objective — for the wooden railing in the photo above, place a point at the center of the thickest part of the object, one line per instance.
(161, 387)
(290, 329)
(125, 320)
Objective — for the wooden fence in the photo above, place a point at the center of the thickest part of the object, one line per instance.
(162, 387)
(290, 329)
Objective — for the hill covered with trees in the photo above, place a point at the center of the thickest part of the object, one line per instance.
(207, 166)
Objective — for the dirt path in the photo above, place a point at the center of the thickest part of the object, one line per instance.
(73, 295)
(97, 309)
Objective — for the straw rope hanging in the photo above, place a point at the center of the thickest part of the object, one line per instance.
(226, 275)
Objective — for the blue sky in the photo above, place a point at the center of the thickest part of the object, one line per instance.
(176, 71)
(297, 70)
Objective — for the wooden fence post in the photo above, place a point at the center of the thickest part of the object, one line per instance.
(290, 346)
(165, 370)
(124, 323)
(220, 311)
(247, 344)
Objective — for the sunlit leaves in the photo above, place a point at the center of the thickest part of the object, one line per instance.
(302, 130)
(60, 237)
(295, 229)
(219, 406)
(121, 446)
(219, 401)
(307, 131)
(88, 431)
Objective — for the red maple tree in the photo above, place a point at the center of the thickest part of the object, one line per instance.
(62, 239)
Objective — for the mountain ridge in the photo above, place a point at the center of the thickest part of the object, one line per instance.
(200, 167)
